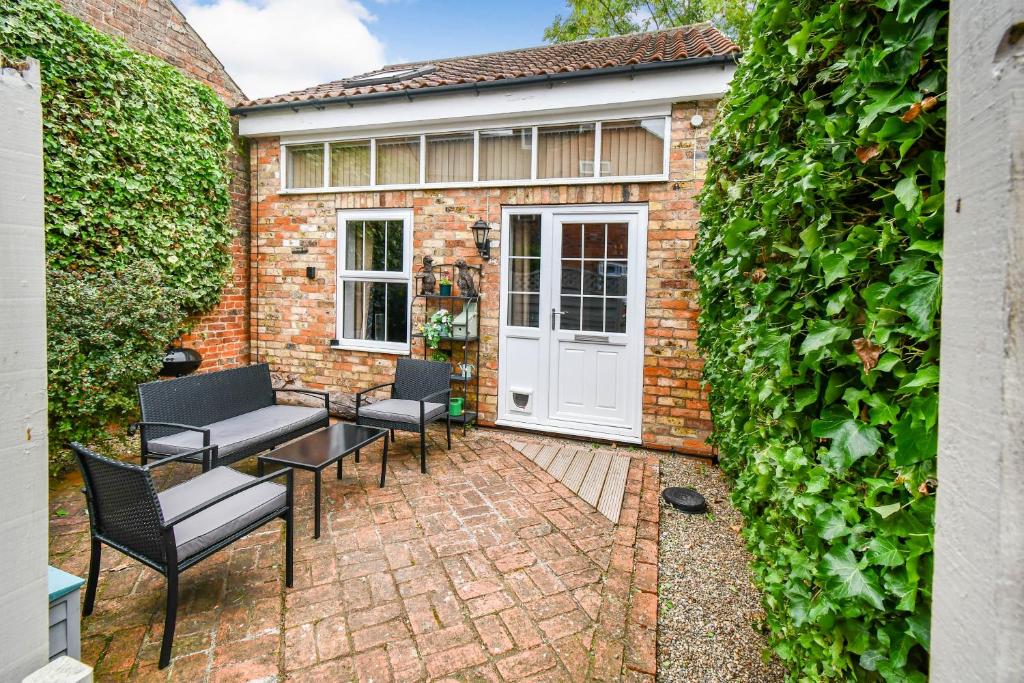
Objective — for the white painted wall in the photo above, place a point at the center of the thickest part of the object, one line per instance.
(23, 503)
(978, 612)
(644, 88)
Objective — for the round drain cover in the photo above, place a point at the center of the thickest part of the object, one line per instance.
(683, 499)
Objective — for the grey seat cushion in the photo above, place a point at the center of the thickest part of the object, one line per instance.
(227, 517)
(400, 410)
(236, 433)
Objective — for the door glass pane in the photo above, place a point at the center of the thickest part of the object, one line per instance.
(525, 275)
(570, 318)
(615, 278)
(618, 240)
(505, 153)
(525, 235)
(593, 240)
(398, 161)
(350, 163)
(572, 276)
(633, 147)
(571, 240)
(593, 314)
(524, 310)
(305, 166)
(593, 277)
(615, 315)
(565, 151)
(449, 158)
(354, 245)
(395, 246)
(373, 244)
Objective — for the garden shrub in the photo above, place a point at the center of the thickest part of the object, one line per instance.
(136, 171)
(107, 332)
(819, 265)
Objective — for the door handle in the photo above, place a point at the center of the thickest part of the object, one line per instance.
(592, 338)
(554, 315)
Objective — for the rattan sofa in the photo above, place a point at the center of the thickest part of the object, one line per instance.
(235, 410)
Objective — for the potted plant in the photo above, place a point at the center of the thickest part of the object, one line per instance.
(446, 286)
(437, 327)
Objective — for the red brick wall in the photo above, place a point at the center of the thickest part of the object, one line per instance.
(294, 318)
(158, 28)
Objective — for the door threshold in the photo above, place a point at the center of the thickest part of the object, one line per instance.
(581, 434)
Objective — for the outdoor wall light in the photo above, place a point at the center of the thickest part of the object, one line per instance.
(310, 272)
(483, 246)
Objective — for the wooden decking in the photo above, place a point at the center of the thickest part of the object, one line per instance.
(598, 477)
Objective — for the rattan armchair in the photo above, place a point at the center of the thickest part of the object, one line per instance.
(419, 396)
(179, 527)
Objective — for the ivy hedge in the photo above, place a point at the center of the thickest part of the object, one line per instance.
(137, 170)
(820, 263)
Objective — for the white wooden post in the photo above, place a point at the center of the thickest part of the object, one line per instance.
(978, 602)
(24, 641)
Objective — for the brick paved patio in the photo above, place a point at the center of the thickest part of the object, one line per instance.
(485, 569)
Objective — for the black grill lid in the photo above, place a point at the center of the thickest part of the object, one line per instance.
(684, 499)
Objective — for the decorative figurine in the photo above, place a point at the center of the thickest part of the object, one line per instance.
(428, 275)
(467, 287)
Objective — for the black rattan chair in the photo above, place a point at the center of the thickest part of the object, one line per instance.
(179, 527)
(419, 396)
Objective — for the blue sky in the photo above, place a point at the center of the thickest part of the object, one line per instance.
(273, 46)
(422, 29)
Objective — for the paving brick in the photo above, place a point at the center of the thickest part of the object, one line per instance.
(455, 659)
(518, 666)
(493, 634)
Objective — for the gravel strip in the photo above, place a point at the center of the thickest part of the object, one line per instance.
(709, 612)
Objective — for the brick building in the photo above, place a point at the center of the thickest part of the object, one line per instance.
(158, 28)
(584, 159)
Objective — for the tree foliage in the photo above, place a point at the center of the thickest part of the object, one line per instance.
(603, 18)
(136, 171)
(820, 266)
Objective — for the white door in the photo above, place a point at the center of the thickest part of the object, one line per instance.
(571, 347)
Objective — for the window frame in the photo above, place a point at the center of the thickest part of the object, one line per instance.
(475, 129)
(344, 274)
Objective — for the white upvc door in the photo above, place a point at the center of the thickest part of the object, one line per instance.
(571, 344)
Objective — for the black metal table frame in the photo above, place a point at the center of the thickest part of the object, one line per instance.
(318, 470)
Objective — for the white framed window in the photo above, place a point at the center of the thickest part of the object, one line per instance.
(552, 152)
(374, 279)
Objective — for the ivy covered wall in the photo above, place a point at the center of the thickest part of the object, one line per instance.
(819, 263)
(137, 192)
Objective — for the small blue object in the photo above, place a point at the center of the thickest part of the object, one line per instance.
(61, 583)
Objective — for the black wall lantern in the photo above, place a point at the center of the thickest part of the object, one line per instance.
(483, 245)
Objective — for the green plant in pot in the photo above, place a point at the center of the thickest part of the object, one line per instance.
(439, 325)
(446, 286)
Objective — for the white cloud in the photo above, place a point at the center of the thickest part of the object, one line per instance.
(273, 46)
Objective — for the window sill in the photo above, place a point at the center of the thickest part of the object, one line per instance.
(389, 350)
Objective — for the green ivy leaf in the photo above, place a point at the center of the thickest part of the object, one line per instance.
(907, 192)
(884, 551)
(851, 581)
(821, 333)
(851, 440)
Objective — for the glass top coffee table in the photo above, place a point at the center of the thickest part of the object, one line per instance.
(317, 451)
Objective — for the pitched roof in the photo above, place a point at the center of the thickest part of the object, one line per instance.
(681, 44)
